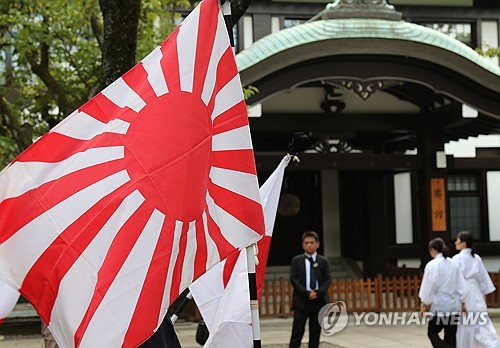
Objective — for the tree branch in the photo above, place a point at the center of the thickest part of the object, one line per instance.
(42, 71)
(96, 29)
(73, 63)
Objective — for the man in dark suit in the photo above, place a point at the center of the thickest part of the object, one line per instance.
(310, 277)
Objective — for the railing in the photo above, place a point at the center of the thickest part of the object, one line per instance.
(378, 294)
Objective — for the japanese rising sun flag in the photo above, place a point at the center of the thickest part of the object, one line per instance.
(109, 216)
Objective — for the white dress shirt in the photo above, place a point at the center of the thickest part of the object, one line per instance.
(308, 270)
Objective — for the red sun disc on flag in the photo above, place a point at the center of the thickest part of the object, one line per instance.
(169, 145)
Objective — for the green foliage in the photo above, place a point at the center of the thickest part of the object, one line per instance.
(8, 150)
(56, 38)
(158, 19)
(50, 60)
(249, 90)
(489, 52)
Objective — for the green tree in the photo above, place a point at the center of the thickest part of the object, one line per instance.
(50, 61)
(489, 52)
(57, 54)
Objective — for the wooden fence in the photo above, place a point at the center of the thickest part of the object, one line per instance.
(493, 299)
(373, 294)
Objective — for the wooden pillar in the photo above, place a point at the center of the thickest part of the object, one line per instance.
(261, 25)
(377, 227)
(331, 215)
(431, 195)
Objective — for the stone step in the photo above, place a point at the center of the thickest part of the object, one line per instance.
(22, 312)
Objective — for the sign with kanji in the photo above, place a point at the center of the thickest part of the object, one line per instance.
(438, 205)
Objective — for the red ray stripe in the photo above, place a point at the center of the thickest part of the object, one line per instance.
(150, 300)
(264, 244)
(229, 267)
(232, 118)
(137, 79)
(200, 259)
(223, 246)
(102, 109)
(11, 221)
(57, 147)
(179, 262)
(207, 27)
(52, 147)
(245, 210)
(170, 62)
(117, 254)
(37, 201)
(56, 261)
(239, 160)
(226, 71)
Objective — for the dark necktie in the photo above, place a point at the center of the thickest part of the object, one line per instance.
(312, 274)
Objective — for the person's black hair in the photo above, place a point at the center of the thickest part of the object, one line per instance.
(468, 238)
(310, 234)
(439, 245)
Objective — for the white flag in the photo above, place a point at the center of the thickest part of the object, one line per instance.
(222, 294)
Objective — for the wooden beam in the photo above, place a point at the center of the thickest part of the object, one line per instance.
(478, 88)
(404, 251)
(358, 161)
(337, 123)
(490, 248)
(484, 163)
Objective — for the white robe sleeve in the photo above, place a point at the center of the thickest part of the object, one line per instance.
(486, 285)
(428, 285)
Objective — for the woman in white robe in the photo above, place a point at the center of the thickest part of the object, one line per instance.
(442, 292)
(479, 284)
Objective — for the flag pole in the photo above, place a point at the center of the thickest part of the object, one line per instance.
(251, 256)
(181, 307)
(254, 301)
(226, 11)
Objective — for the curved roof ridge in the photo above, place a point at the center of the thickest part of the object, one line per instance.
(356, 28)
